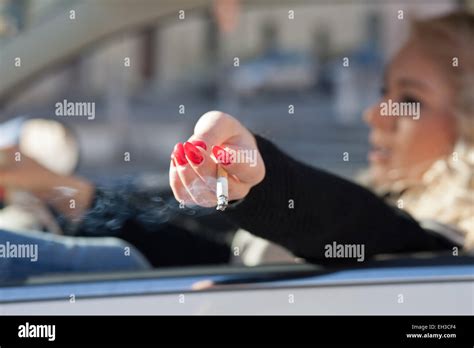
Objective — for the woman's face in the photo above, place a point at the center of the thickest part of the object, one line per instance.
(403, 147)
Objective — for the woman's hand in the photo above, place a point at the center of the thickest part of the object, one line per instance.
(20, 172)
(217, 138)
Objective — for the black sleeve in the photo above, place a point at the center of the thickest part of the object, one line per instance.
(304, 209)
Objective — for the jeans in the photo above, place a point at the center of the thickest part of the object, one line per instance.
(26, 254)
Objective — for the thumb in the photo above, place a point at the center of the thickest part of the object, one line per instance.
(216, 127)
(240, 157)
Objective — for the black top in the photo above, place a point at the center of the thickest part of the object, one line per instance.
(296, 206)
(304, 209)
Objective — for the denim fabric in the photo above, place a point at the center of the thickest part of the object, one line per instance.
(62, 254)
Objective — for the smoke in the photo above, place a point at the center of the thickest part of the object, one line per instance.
(203, 190)
(149, 207)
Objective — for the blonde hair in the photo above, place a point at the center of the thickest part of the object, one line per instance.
(449, 40)
(446, 191)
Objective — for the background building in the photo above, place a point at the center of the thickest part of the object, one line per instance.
(188, 64)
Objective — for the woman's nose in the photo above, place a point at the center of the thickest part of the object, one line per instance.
(374, 119)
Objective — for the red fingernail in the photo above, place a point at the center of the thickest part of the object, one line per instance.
(221, 155)
(179, 154)
(199, 143)
(192, 153)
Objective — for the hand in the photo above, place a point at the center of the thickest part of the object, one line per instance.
(20, 172)
(217, 138)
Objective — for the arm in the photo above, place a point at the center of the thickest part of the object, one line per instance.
(326, 209)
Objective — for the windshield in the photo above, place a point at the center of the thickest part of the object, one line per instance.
(89, 120)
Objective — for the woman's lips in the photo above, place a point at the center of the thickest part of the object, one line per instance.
(379, 154)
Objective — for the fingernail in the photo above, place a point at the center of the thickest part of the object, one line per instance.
(192, 153)
(221, 155)
(199, 143)
(179, 155)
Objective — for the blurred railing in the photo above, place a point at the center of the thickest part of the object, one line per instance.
(49, 43)
(54, 42)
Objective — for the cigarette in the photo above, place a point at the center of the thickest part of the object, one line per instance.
(222, 189)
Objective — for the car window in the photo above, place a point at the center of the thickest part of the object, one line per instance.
(107, 102)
